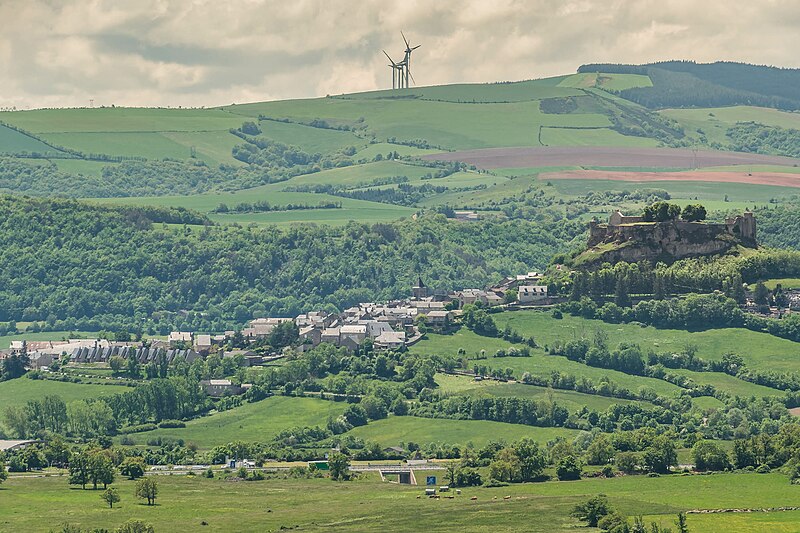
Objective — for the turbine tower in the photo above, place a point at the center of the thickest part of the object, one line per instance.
(397, 72)
(407, 60)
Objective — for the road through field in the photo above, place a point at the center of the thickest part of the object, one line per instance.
(599, 156)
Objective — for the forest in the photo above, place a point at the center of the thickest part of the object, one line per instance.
(690, 84)
(71, 266)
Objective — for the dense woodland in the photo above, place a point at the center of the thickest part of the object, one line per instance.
(690, 84)
(76, 267)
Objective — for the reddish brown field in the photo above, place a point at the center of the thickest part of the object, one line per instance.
(600, 156)
(755, 178)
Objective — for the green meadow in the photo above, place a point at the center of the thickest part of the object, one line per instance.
(395, 430)
(251, 422)
(20, 391)
(369, 505)
(759, 350)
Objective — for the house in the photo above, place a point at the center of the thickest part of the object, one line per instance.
(439, 319)
(469, 216)
(12, 445)
(531, 293)
(330, 335)
(311, 334)
(179, 336)
(376, 327)
(391, 340)
(202, 344)
(350, 334)
(618, 219)
(262, 327)
(217, 388)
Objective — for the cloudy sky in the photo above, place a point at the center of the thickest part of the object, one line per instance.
(212, 52)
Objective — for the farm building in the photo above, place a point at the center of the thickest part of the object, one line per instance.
(531, 293)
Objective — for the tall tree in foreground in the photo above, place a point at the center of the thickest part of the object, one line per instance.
(110, 496)
(147, 488)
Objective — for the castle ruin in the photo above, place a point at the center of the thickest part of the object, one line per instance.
(631, 238)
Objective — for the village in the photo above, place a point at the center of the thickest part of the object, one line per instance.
(392, 325)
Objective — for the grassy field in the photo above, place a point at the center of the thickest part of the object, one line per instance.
(372, 506)
(310, 139)
(143, 132)
(403, 429)
(759, 350)
(537, 364)
(19, 391)
(611, 82)
(12, 141)
(466, 386)
(786, 283)
(252, 422)
(714, 122)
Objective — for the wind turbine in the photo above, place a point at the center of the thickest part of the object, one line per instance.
(397, 71)
(407, 59)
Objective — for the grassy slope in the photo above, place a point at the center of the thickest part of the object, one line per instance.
(5, 340)
(12, 141)
(715, 121)
(19, 391)
(759, 350)
(538, 364)
(371, 506)
(252, 422)
(573, 401)
(144, 132)
(403, 429)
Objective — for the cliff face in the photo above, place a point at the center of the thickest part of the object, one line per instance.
(663, 241)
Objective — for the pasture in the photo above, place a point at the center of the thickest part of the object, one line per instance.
(395, 430)
(574, 401)
(480, 351)
(759, 350)
(251, 422)
(12, 141)
(19, 391)
(714, 122)
(372, 506)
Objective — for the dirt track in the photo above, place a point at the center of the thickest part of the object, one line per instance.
(556, 156)
(756, 178)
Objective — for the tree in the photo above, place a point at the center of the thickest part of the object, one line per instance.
(132, 367)
(147, 488)
(661, 212)
(135, 526)
(600, 451)
(133, 467)
(101, 469)
(3, 473)
(110, 496)
(374, 407)
(531, 460)
(510, 296)
(761, 294)
(621, 292)
(709, 455)
(681, 523)
(79, 469)
(116, 363)
(660, 455)
(694, 213)
(568, 469)
(399, 406)
(593, 510)
(627, 462)
(505, 466)
(339, 467)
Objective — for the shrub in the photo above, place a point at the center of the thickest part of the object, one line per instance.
(172, 424)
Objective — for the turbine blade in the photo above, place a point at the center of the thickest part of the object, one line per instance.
(416, 47)
(412, 77)
(387, 55)
(404, 38)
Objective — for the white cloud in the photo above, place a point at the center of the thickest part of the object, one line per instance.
(207, 52)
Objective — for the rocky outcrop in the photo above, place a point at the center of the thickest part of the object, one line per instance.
(660, 241)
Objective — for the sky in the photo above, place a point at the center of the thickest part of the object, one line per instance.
(193, 53)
